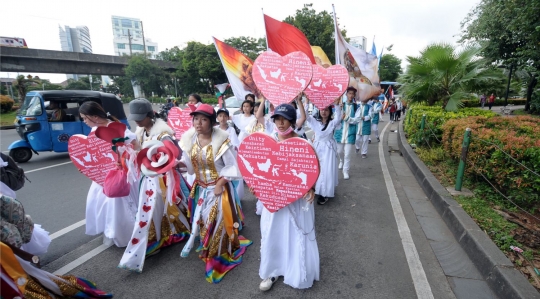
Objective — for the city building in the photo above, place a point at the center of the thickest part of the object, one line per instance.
(130, 29)
(75, 40)
(358, 42)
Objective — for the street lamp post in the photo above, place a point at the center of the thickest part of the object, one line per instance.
(508, 85)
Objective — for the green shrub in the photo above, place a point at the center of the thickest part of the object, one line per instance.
(6, 103)
(492, 139)
(498, 102)
(435, 118)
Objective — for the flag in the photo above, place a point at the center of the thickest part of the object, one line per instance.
(390, 92)
(320, 57)
(238, 68)
(380, 56)
(221, 90)
(284, 38)
(373, 48)
(363, 67)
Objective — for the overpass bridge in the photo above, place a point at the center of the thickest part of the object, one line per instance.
(24, 60)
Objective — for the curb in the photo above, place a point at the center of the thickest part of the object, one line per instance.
(495, 267)
(7, 127)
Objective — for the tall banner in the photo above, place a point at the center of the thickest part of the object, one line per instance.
(363, 67)
(284, 38)
(320, 57)
(238, 68)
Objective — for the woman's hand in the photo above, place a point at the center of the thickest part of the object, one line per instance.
(310, 196)
(218, 190)
(252, 191)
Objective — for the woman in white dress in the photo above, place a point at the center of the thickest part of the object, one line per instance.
(114, 217)
(326, 147)
(216, 213)
(288, 241)
(243, 120)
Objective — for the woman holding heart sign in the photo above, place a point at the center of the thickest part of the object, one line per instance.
(215, 209)
(326, 149)
(288, 242)
(114, 217)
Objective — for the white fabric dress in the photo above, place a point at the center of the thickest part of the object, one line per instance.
(241, 122)
(326, 148)
(114, 217)
(289, 245)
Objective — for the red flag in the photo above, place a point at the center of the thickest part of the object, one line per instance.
(390, 92)
(284, 38)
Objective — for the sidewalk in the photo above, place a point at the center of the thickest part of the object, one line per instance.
(473, 264)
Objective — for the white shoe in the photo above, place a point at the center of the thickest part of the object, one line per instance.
(267, 284)
(340, 165)
(345, 175)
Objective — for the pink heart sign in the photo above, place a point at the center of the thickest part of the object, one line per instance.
(327, 85)
(92, 156)
(179, 120)
(279, 172)
(281, 79)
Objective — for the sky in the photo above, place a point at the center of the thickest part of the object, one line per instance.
(409, 25)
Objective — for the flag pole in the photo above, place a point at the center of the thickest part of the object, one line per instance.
(336, 47)
(265, 36)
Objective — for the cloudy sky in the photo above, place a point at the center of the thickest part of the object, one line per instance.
(409, 25)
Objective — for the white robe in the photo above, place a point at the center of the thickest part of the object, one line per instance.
(289, 245)
(241, 122)
(114, 217)
(326, 148)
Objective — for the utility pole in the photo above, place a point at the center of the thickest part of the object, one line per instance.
(508, 85)
(143, 41)
(129, 37)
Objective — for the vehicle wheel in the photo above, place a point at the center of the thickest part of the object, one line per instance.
(21, 154)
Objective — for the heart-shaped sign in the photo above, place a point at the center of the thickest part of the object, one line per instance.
(179, 120)
(281, 79)
(327, 85)
(92, 156)
(279, 172)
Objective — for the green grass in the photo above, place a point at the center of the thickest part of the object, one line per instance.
(6, 119)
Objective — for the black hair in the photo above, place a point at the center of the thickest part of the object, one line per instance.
(196, 96)
(319, 118)
(250, 103)
(292, 121)
(250, 95)
(213, 120)
(92, 108)
(259, 104)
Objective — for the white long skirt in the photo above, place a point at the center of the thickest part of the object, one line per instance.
(328, 177)
(114, 217)
(289, 246)
(39, 243)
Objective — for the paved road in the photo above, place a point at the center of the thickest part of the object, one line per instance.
(371, 239)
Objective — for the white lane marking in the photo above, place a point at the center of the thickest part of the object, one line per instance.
(66, 230)
(81, 260)
(46, 167)
(421, 284)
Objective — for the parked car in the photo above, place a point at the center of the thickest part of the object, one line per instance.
(233, 105)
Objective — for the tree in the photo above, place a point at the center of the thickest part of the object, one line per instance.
(509, 32)
(202, 68)
(121, 85)
(389, 67)
(46, 85)
(149, 76)
(23, 83)
(317, 27)
(443, 74)
(249, 46)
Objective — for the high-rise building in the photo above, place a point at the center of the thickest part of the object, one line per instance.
(75, 40)
(358, 42)
(130, 29)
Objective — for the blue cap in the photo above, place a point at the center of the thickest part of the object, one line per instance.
(285, 110)
(222, 110)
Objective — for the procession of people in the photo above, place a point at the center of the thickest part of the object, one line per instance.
(168, 188)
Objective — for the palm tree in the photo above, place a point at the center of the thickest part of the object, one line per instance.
(443, 74)
(22, 83)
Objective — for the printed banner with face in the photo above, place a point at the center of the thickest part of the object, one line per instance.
(362, 67)
(238, 68)
(320, 57)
